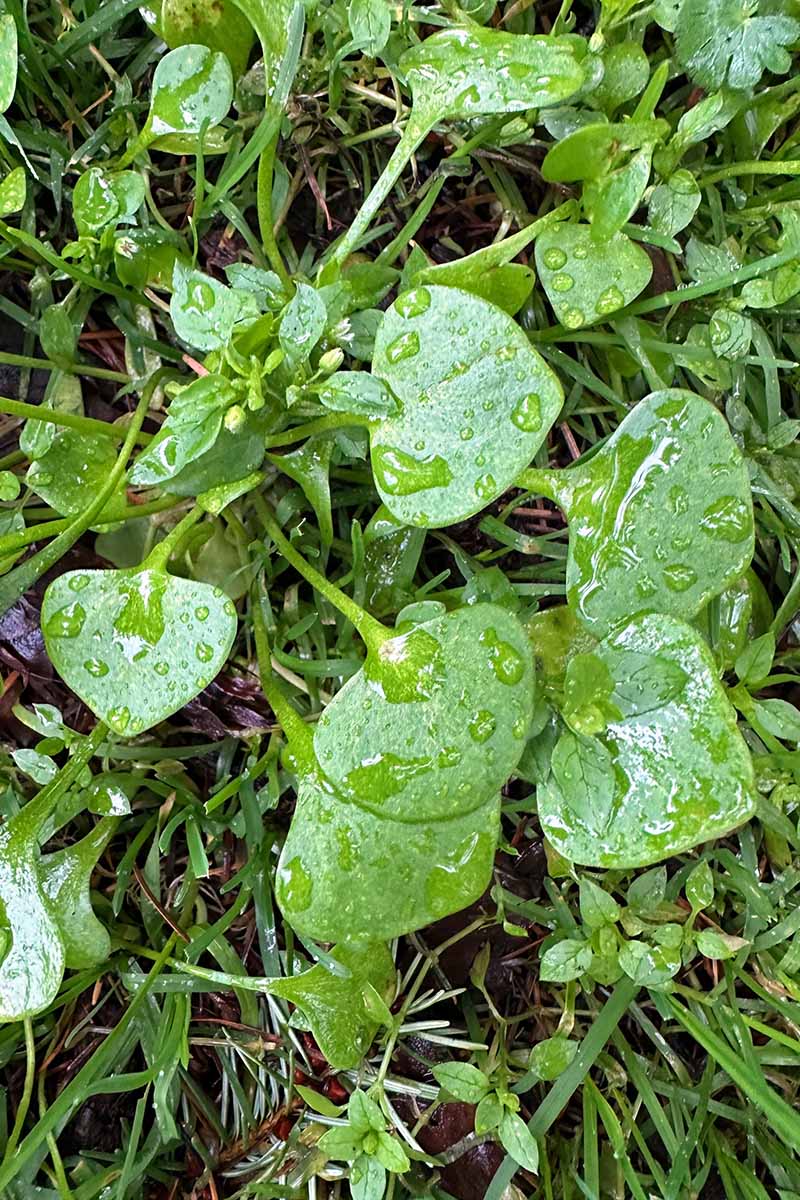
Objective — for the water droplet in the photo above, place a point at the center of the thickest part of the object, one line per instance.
(162, 668)
(581, 252)
(507, 663)
(572, 318)
(520, 727)
(487, 405)
(201, 296)
(467, 433)
(527, 414)
(183, 618)
(678, 499)
(67, 622)
(554, 258)
(506, 353)
(728, 518)
(562, 282)
(482, 725)
(449, 756)
(96, 667)
(609, 300)
(679, 577)
(118, 718)
(405, 346)
(400, 474)
(420, 445)
(485, 487)
(294, 886)
(201, 612)
(413, 303)
(204, 652)
(76, 583)
(229, 608)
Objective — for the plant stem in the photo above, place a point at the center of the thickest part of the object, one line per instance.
(160, 555)
(768, 166)
(542, 483)
(320, 425)
(264, 205)
(17, 582)
(373, 632)
(27, 1091)
(44, 364)
(297, 732)
(412, 137)
(51, 416)
(65, 1191)
(11, 542)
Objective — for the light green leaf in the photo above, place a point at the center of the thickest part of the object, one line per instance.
(367, 1179)
(302, 325)
(754, 663)
(462, 1080)
(597, 907)
(551, 1057)
(682, 772)
(587, 281)
(359, 393)
(663, 514)
(568, 959)
(489, 1113)
(8, 60)
(370, 23)
(477, 402)
(136, 645)
(72, 468)
(217, 24)
(518, 1141)
(672, 204)
(699, 886)
(335, 1007)
(66, 875)
(649, 965)
(390, 1153)
(412, 752)
(588, 152)
(204, 311)
(733, 42)
(192, 426)
(192, 87)
(12, 191)
(364, 1114)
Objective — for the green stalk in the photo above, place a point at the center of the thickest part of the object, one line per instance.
(27, 1092)
(770, 166)
(320, 425)
(29, 819)
(373, 632)
(297, 732)
(17, 582)
(11, 542)
(160, 555)
(69, 420)
(543, 482)
(44, 364)
(266, 165)
(411, 138)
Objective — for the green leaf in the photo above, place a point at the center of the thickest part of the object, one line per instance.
(302, 326)
(390, 1153)
(778, 717)
(462, 1081)
(101, 198)
(192, 426)
(205, 311)
(699, 886)
(359, 393)
(714, 944)
(664, 514)
(367, 1179)
(310, 467)
(754, 663)
(217, 24)
(370, 23)
(557, 636)
(587, 281)
(476, 72)
(583, 773)
(733, 41)
(12, 191)
(136, 645)
(72, 468)
(335, 1006)
(192, 87)
(477, 402)
(66, 877)
(588, 152)
(551, 1057)
(33, 962)
(489, 1113)
(682, 772)
(518, 1141)
(673, 203)
(649, 965)
(342, 1141)
(568, 959)
(597, 907)
(8, 60)
(412, 751)
(613, 199)
(364, 1114)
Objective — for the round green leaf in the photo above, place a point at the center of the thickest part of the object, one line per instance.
(476, 403)
(136, 645)
(75, 466)
(191, 86)
(666, 768)
(213, 23)
(585, 280)
(661, 517)
(399, 825)
(474, 72)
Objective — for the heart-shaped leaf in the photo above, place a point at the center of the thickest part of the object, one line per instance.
(585, 280)
(654, 763)
(412, 753)
(476, 403)
(192, 86)
(136, 645)
(474, 72)
(66, 875)
(661, 517)
(335, 1005)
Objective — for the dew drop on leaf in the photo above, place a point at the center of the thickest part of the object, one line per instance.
(527, 415)
(554, 258)
(403, 347)
(67, 622)
(96, 667)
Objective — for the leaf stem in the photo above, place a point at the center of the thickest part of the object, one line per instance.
(44, 364)
(411, 138)
(11, 542)
(319, 425)
(160, 555)
(266, 165)
(769, 166)
(372, 631)
(17, 582)
(69, 420)
(542, 482)
(27, 822)
(27, 1092)
(297, 732)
